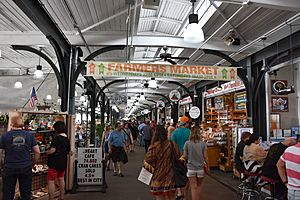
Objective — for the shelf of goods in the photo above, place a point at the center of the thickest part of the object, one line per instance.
(40, 125)
(226, 150)
(226, 109)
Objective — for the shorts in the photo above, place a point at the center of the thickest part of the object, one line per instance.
(193, 173)
(54, 174)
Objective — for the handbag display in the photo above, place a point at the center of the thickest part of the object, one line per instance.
(179, 168)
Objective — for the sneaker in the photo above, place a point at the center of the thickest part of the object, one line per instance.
(115, 174)
(121, 175)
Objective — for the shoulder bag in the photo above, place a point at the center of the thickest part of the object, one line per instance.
(179, 169)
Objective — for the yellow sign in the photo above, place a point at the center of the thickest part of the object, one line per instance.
(160, 71)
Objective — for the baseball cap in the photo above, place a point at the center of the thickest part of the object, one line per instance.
(183, 120)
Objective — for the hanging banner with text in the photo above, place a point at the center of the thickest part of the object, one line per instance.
(160, 71)
(89, 166)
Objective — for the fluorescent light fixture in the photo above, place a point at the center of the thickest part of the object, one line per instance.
(38, 72)
(18, 85)
(48, 97)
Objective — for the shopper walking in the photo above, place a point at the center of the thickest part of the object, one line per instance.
(57, 159)
(289, 170)
(117, 146)
(18, 144)
(129, 137)
(171, 129)
(147, 132)
(105, 145)
(134, 131)
(195, 153)
(180, 136)
(158, 161)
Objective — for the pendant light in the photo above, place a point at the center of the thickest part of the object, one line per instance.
(193, 32)
(48, 97)
(18, 85)
(38, 74)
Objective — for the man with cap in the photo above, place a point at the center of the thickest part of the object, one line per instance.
(180, 136)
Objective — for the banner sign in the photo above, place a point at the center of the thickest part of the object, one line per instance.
(160, 71)
(89, 166)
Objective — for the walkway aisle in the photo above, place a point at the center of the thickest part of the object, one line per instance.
(129, 188)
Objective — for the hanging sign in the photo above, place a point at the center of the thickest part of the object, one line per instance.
(160, 104)
(174, 95)
(160, 71)
(89, 166)
(194, 112)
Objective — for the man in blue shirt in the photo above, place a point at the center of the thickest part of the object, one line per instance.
(181, 134)
(117, 145)
(18, 145)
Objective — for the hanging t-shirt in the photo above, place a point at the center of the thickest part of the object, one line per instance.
(17, 145)
(58, 160)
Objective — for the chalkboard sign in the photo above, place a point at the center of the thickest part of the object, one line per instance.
(219, 103)
(89, 166)
(240, 101)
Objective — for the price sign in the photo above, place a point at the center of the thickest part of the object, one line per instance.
(194, 112)
(89, 166)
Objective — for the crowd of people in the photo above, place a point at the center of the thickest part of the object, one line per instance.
(280, 164)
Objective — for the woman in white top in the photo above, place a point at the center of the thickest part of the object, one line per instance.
(195, 153)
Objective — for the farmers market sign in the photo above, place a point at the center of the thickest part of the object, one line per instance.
(160, 71)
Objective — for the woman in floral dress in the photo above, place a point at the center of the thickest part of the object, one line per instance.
(158, 161)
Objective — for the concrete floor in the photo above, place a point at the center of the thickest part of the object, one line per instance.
(129, 188)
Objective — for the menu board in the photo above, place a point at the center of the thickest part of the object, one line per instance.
(89, 166)
(219, 103)
(240, 101)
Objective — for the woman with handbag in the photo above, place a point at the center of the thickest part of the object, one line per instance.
(195, 150)
(159, 162)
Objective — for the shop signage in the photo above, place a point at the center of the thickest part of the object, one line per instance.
(160, 104)
(160, 71)
(185, 100)
(89, 166)
(278, 85)
(226, 87)
(174, 95)
(194, 112)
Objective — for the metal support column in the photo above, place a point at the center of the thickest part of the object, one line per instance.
(102, 108)
(174, 112)
(93, 105)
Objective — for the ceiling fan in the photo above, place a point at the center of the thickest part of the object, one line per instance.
(167, 57)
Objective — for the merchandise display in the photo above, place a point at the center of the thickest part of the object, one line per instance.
(40, 125)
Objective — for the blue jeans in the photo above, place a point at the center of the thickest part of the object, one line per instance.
(10, 177)
(293, 194)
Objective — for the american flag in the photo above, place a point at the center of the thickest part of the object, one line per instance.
(33, 98)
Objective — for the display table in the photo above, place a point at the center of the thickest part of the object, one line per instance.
(213, 153)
